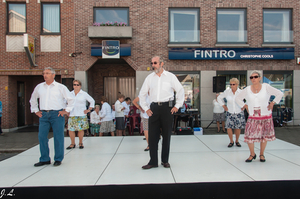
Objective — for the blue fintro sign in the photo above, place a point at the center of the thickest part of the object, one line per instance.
(111, 49)
(230, 53)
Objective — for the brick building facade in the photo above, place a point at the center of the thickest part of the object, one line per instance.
(151, 23)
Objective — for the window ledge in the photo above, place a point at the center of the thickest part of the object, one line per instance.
(278, 45)
(184, 45)
(232, 45)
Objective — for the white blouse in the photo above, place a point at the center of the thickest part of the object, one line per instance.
(94, 117)
(232, 106)
(260, 100)
(80, 103)
(118, 109)
(127, 108)
(217, 107)
(106, 113)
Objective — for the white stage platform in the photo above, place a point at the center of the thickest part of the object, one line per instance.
(118, 161)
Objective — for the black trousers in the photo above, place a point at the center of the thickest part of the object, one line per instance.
(160, 121)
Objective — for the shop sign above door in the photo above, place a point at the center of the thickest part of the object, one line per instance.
(111, 49)
(124, 50)
(230, 53)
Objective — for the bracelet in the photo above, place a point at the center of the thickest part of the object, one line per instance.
(273, 102)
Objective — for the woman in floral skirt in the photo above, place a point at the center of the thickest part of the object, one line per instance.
(259, 127)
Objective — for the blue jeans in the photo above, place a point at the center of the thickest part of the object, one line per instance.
(51, 119)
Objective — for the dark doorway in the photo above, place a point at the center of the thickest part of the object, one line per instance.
(21, 103)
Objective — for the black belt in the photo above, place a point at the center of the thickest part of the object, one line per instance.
(48, 110)
(160, 103)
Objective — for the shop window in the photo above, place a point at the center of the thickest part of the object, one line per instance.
(16, 17)
(184, 25)
(190, 83)
(231, 26)
(111, 15)
(240, 75)
(278, 26)
(50, 18)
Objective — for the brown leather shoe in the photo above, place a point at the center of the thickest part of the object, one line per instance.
(166, 165)
(148, 166)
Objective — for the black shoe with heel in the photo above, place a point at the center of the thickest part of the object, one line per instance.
(250, 160)
(262, 160)
(230, 144)
(72, 146)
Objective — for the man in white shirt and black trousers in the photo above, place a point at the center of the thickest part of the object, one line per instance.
(161, 85)
(52, 96)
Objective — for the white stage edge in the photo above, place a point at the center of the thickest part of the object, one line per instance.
(118, 161)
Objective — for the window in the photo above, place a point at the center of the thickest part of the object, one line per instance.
(278, 26)
(231, 26)
(282, 80)
(184, 25)
(16, 17)
(51, 18)
(240, 75)
(191, 84)
(111, 15)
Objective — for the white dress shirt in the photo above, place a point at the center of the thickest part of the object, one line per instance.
(106, 113)
(161, 89)
(118, 109)
(52, 97)
(260, 99)
(127, 108)
(217, 107)
(80, 103)
(232, 106)
(94, 117)
(145, 115)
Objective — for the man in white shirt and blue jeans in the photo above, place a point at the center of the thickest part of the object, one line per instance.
(52, 96)
(161, 85)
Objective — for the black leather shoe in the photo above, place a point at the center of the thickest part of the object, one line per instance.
(71, 146)
(81, 146)
(57, 163)
(148, 166)
(238, 144)
(262, 160)
(41, 163)
(166, 165)
(146, 149)
(230, 144)
(250, 160)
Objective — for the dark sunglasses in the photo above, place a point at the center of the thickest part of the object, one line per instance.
(76, 85)
(232, 84)
(256, 76)
(153, 63)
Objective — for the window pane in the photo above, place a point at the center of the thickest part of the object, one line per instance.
(51, 18)
(184, 25)
(277, 26)
(231, 26)
(283, 81)
(190, 83)
(103, 15)
(17, 17)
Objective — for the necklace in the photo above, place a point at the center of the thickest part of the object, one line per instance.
(256, 90)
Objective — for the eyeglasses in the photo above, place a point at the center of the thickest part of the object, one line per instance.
(76, 85)
(256, 76)
(153, 63)
(232, 84)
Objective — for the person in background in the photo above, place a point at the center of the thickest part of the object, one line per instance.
(95, 121)
(145, 118)
(53, 97)
(1, 132)
(259, 127)
(77, 119)
(219, 115)
(235, 118)
(126, 104)
(119, 108)
(107, 124)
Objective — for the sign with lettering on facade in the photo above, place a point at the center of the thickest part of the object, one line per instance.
(29, 46)
(230, 53)
(96, 50)
(110, 49)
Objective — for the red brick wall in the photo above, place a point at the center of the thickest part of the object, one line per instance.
(149, 20)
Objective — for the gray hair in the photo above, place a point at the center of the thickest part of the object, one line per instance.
(256, 72)
(161, 59)
(51, 69)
